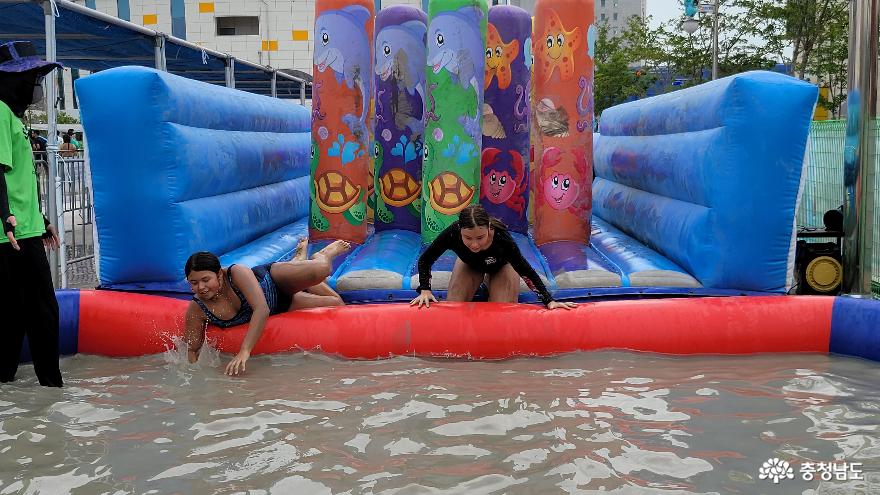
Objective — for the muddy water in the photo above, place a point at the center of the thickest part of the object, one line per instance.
(304, 423)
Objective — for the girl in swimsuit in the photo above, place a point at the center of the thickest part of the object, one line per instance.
(231, 296)
(486, 253)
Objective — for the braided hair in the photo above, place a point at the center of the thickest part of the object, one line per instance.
(477, 216)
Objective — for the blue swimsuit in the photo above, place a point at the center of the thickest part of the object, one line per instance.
(277, 300)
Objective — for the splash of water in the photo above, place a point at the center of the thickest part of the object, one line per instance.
(176, 359)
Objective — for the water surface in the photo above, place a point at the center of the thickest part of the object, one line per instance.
(303, 423)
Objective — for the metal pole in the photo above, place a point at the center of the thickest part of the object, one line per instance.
(159, 51)
(859, 148)
(230, 72)
(302, 92)
(274, 84)
(715, 40)
(54, 198)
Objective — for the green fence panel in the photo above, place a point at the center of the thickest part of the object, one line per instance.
(823, 183)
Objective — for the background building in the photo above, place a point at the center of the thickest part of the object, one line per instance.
(268, 32)
(613, 12)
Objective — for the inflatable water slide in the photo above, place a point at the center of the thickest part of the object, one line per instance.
(675, 222)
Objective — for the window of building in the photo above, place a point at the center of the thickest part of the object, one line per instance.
(123, 10)
(603, 4)
(603, 16)
(615, 16)
(238, 25)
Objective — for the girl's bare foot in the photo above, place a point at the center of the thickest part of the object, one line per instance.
(333, 250)
(302, 250)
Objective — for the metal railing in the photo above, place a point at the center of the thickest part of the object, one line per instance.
(77, 210)
(823, 184)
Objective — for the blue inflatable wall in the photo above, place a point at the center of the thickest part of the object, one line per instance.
(709, 176)
(180, 166)
(695, 190)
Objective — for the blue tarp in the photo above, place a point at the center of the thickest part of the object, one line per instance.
(93, 44)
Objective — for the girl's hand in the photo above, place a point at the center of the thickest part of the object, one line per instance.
(424, 298)
(193, 352)
(51, 241)
(561, 304)
(10, 234)
(237, 365)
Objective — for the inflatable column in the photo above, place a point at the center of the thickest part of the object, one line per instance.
(504, 187)
(451, 170)
(400, 128)
(563, 114)
(341, 142)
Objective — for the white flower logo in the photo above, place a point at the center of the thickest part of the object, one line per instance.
(775, 469)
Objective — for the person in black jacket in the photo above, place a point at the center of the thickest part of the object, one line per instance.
(27, 294)
(486, 253)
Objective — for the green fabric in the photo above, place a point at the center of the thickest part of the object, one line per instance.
(452, 150)
(21, 179)
(452, 134)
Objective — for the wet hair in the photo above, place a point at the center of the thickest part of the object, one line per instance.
(65, 138)
(17, 90)
(202, 261)
(477, 216)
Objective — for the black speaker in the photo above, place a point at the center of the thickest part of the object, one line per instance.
(818, 268)
(833, 219)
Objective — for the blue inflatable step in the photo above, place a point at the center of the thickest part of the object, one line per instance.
(638, 265)
(441, 272)
(384, 261)
(274, 246)
(577, 265)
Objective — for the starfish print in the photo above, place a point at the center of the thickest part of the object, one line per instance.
(499, 56)
(556, 48)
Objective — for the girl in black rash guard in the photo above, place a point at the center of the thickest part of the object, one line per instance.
(485, 249)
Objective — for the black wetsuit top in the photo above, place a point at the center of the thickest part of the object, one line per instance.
(502, 251)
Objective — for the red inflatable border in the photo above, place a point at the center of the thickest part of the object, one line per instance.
(125, 324)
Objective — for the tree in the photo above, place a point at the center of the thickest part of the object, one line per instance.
(615, 81)
(667, 51)
(828, 64)
(60, 118)
(740, 46)
(752, 35)
(640, 42)
(802, 25)
(816, 33)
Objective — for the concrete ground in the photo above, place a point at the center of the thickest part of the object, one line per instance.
(79, 242)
